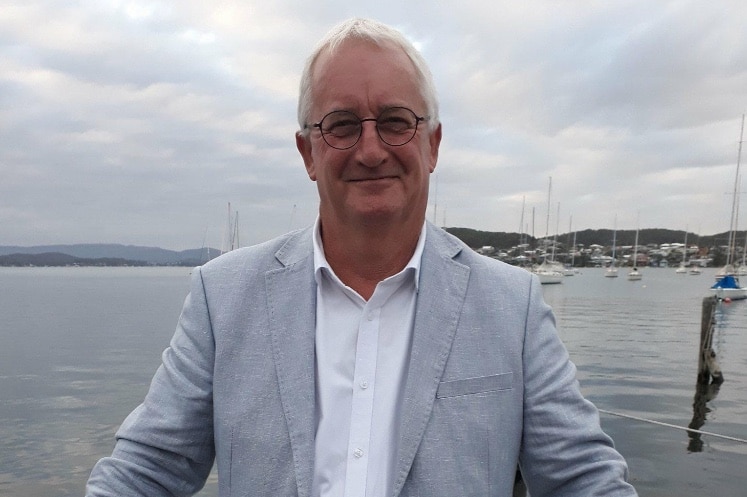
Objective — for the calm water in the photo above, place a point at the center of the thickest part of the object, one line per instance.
(78, 347)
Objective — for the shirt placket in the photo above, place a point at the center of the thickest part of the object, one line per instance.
(364, 382)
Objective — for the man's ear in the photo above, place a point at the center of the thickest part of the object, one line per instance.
(303, 144)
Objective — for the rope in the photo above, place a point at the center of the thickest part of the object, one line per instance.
(692, 430)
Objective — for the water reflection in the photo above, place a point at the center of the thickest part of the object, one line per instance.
(704, 392)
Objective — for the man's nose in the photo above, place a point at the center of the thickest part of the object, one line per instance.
(370, 146)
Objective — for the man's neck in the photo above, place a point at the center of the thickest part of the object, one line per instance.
(364, 257)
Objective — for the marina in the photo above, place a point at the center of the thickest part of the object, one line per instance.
(78, 347)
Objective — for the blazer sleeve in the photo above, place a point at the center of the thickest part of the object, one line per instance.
(165, 446)
(564, 450)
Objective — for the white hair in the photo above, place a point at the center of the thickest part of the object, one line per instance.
(378, 34)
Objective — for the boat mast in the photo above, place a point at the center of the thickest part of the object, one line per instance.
(547, 221)
(570, 230)
(521, 223)
(231, 235)
(635, 247)
(732, 234)
(614, 242)
(235, 239)
(555, 236)
(573, 254)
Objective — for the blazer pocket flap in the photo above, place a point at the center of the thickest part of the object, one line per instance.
(471, 386)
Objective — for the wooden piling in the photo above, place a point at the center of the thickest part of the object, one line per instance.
(708, 368)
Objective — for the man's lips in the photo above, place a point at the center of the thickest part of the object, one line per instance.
(375, 178)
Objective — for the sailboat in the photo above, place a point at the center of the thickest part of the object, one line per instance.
(548, 272)
(634, 274)
(682, 269)
(231, 235)
(694, 268)
(612, 270)
(727, 286)
(570, 271)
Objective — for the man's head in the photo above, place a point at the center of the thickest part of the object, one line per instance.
(377, 171)
(378, 34)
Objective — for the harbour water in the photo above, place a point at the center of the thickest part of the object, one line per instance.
(78, 347)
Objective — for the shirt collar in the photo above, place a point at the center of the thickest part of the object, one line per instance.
(320, 261)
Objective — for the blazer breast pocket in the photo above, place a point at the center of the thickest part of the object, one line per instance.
(473, 386)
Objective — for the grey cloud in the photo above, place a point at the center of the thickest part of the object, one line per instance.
(139, 126)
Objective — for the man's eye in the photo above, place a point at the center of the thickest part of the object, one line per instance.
(394, 124)
(342, 127)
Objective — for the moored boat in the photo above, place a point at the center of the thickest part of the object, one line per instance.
(634, 274)
(612, 270)
(548, 274)
(728, 288)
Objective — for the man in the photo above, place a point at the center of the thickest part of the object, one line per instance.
(373, 354)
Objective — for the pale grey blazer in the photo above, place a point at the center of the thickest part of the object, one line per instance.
(489, 386)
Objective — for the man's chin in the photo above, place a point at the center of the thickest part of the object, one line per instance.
(384, 215)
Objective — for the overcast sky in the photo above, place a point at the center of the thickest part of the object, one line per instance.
(136, 122)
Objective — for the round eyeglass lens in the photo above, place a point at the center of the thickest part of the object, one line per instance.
(397, 126)
(340, 129)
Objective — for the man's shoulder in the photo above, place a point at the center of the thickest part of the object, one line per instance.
(452, 246)
(283, 250)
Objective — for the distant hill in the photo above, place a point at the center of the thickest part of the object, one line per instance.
(131, 254)
(114, 254)
(656, 236)
(57, 259)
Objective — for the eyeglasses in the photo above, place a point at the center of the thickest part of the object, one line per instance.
(342, 129)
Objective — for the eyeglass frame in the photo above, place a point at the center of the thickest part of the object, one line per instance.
(418, 120)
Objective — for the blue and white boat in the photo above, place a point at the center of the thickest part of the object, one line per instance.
(728, 288)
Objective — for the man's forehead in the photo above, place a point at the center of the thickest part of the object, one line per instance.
(332, 54)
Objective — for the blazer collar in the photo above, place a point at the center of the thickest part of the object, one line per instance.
(291, 304)
(443, 286)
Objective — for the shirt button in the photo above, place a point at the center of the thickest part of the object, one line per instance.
(358, 453)
(364, 384)
(370, 316)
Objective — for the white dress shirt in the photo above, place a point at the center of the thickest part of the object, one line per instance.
(362, 353)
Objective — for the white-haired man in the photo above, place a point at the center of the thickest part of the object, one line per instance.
(371, 354)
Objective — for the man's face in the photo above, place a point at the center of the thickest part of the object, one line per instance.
(372, 182)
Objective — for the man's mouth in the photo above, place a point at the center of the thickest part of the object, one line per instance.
(375, 178)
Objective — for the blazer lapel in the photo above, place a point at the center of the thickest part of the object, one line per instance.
(291, 301)
(442, 289)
